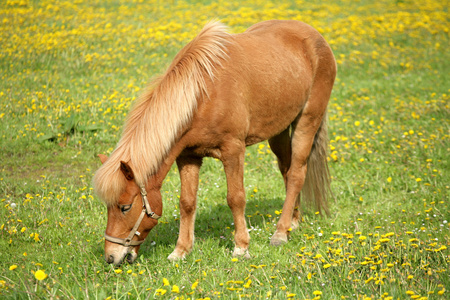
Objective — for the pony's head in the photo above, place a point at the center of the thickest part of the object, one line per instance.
(130, 218)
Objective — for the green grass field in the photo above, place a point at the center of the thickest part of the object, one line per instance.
(69, 71)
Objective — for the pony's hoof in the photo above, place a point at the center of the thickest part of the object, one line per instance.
(174, 256)
(241, 252)
(278, 239)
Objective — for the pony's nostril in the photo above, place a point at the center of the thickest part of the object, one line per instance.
(110, 259)
(129, 258)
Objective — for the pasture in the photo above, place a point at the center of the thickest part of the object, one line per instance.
(70, 71)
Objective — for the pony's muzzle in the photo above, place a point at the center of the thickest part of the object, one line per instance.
(120, 255)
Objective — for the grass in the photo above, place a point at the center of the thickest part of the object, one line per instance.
(69, 72)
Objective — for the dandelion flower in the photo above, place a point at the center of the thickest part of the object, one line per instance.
(317, 293)
(247, 285)
(160, 292)
(291, 295)
(40, 275)
(166, 282)
(175, 289)
(13, 267)
(194, 285)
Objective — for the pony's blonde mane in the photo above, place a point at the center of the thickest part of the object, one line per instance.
(159, 115)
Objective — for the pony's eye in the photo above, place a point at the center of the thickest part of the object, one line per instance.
(125, 208)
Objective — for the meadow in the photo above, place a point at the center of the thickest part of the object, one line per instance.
(69, 71)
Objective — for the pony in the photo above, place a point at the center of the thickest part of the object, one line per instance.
(221, 93)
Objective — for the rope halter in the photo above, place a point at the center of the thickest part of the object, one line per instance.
(146, 210)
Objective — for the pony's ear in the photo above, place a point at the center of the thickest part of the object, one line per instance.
(102, 157)
(126, 170)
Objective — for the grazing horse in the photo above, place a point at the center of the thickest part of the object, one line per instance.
(222, 93)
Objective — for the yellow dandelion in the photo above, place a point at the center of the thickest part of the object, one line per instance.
(13, 267)
(194, 285)
(175, 289)
(118, 271)
(160, 292)
(291, 295)
(165, 282)
(40, 275)
(247, 285)
(317, 293)
(389, 179)
(326, 266)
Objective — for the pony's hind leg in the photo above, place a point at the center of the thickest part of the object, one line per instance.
(303, 132)
(232, 156)
(281, 147)
(189, 168)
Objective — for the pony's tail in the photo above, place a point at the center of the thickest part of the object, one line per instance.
(316, 188)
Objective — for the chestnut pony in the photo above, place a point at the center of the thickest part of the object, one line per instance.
(221, 93)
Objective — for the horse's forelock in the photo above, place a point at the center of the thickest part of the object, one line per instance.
(109, 183)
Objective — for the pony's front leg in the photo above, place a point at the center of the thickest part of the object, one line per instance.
(233, 161)
(189, 168)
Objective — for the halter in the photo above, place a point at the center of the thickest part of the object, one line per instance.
(146, 209)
